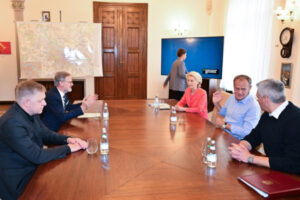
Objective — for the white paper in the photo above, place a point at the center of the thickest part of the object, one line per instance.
(90, 115)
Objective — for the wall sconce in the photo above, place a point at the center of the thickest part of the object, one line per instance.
(287, 14)
(179, 29)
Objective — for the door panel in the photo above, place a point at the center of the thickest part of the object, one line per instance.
(133, 51)
(124, 35)
(109, 18)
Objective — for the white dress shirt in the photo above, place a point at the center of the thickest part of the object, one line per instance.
(279, 109)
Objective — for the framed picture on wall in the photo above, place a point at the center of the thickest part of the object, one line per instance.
(286, 74)
(46, 16)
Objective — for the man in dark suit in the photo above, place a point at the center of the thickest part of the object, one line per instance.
(59, 109)
(22, 135)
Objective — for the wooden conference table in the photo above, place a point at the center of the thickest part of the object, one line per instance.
(147, 160)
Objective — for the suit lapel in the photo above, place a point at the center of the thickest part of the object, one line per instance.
(60, 99)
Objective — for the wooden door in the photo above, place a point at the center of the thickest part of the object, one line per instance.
(124, 50)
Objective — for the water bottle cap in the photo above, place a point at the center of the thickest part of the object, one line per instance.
(213, 141)
(105, 104)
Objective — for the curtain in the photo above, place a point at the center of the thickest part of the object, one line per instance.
(247, 42)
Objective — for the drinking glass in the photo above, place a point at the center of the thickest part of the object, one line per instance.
(181, 120)
(92, 146)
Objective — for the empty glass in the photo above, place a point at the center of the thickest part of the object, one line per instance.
(92, 146)
(181, 120)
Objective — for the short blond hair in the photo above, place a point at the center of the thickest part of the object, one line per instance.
(28, 88)
(196, 75)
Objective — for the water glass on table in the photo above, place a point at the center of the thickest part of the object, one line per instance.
(181, 120)
(92, 146)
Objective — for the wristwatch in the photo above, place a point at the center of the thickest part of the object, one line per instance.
(224, 125)
(250, 159)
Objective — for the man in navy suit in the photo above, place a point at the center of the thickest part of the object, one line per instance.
(22, 135)
(59, 109)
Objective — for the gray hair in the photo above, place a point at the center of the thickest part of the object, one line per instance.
(28, 88)
(273, 89)
(60, 76)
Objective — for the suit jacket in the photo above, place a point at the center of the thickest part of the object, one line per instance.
(21, 149)
(196, 102)
(54, 114)
(177, 76)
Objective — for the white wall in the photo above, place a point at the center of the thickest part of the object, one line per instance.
(8, 63)
(162, 14)
(198, 23)
(276, 59)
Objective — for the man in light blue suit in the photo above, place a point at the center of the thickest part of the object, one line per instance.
(59, 109)
(241, 111)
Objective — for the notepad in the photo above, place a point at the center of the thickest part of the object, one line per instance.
(90, 115)
(162, 106)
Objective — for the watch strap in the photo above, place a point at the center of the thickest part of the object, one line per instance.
(224, 125)
(250, 159)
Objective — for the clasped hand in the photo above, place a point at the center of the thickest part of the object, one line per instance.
(180, 108)
(76, 144)
(239, 152)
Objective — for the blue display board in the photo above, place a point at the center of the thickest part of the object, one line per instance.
(204, 55)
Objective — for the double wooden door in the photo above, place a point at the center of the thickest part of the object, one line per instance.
(124, 50)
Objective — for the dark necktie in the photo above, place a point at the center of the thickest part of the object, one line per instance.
(66, 101)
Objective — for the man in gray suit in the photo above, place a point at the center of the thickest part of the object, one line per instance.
(22, 135)
(177, 77)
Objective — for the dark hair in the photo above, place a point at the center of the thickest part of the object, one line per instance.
(60, 76)
(27, 88)
(242, 76)
(181, 52)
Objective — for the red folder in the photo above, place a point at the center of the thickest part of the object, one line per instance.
(272, 184)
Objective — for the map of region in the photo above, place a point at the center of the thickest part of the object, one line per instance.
(46, 48)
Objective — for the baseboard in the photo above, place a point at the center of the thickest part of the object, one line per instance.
(6, 102)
